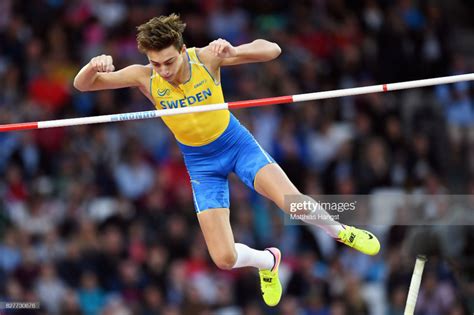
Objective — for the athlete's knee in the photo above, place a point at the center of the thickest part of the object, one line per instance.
(225, 260)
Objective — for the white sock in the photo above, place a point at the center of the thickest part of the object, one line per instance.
(249, 257)
(322, 219)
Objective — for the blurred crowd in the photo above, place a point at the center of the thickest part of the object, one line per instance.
(99, 219)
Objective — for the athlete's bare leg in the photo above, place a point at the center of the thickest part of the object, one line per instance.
(272, 182)
(215, 226)
(225, 253)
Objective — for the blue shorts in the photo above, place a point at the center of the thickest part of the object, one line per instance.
(236, 150)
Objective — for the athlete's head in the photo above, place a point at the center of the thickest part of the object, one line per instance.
(161, 39)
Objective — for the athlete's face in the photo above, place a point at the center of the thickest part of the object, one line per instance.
(167, 62)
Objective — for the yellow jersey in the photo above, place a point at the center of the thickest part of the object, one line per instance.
(195, 129)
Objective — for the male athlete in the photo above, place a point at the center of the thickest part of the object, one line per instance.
(214, 144)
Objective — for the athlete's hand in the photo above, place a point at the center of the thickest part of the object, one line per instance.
(102, 63)
(222, 48)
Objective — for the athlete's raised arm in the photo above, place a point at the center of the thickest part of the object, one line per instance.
(99, 74)
(221, 53)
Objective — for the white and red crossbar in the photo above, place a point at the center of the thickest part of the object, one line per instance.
(238, 104)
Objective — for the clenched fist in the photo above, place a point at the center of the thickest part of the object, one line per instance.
(102, 63)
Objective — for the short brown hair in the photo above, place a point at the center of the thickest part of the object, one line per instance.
(160, 33)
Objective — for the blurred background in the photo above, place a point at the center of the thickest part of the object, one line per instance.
(99, 219)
